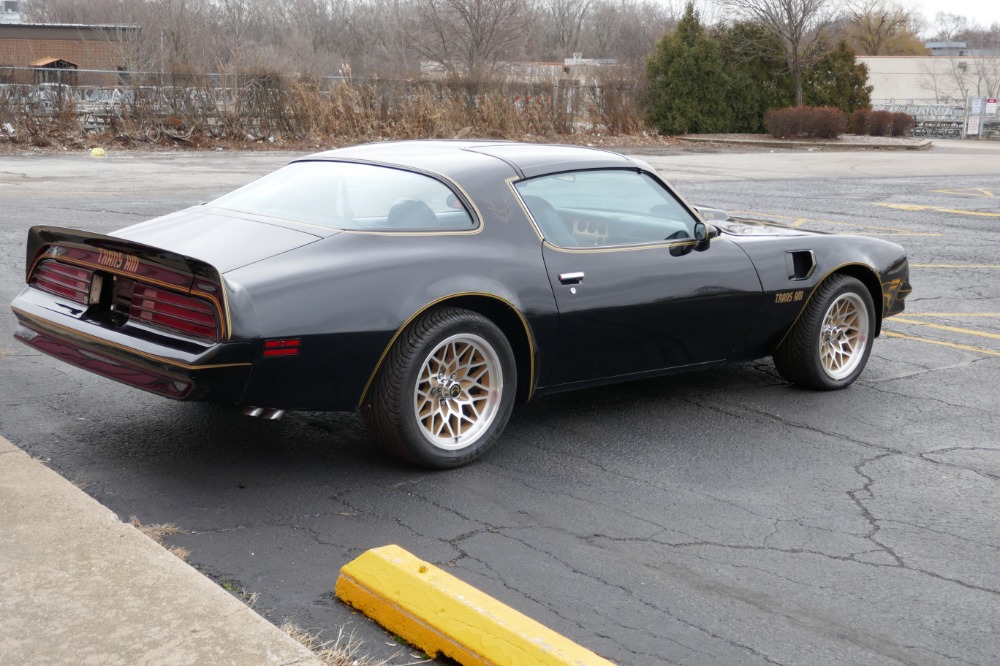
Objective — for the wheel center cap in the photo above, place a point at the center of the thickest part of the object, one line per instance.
(455, 390)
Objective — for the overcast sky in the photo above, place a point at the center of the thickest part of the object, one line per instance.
(984, 12)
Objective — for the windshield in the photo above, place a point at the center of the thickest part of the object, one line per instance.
(343, 195)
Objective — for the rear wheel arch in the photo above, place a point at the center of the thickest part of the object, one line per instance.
(514, 327)
(504, 315)
(442, 397)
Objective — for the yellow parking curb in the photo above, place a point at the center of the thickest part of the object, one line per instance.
(442, 615)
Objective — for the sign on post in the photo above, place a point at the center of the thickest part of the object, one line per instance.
(974, 119)
(991, 106)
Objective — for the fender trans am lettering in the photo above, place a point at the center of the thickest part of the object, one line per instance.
(789, 296)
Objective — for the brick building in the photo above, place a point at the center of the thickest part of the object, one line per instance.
(37, 52)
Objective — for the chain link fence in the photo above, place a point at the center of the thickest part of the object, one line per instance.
(147, 106)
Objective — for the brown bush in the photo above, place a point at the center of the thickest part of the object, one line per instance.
(615, 98)
(859, 121)
(902, 124)
(827, 122)
(370, 110)
(879, 123)
(805, 121)
(783, 123)
(34, 115)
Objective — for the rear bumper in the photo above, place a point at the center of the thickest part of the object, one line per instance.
(216, 374)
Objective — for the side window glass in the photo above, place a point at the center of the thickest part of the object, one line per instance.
(604, 208)
(343, 195)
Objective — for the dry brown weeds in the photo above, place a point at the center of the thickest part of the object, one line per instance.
(157, 531)
(344, 650)
(270, 111)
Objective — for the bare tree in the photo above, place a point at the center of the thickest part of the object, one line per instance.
(175, 29)
(976, 70)
(883, 27)
(950, 27)
(802, 27)
(377, 36)
(314, 20)
(469, 36)
(242, 25)
(564, 21)
(627, 30)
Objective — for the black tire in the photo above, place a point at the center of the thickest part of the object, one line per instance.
(414, 411)
(813, 354)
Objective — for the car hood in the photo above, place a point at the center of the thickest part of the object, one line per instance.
(224, 239)
(741, 226)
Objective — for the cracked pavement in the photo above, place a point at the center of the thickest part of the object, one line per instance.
(719, 517)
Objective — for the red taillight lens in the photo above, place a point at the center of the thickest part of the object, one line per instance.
(184, 314)
(289, 347)
(64, 280)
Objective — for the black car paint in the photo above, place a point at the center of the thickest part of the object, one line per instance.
(652, 310)
(640, 311)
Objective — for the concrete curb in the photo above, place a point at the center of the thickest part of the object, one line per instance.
(777, 143)
(78, 586)
(442, 615)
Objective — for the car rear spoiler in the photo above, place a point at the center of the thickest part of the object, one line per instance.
(129, 259)
(117, 255)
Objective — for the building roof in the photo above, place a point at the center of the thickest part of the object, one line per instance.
(79, 26)
(45, 62)
(945, 45)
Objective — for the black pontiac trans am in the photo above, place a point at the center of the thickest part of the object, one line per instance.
(432, 285)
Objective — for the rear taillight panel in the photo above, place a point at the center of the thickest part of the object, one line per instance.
(184, 314)
(73, 282)
(165, 305)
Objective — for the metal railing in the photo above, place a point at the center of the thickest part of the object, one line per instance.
(941, 120)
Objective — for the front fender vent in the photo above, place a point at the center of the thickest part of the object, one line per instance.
(800, 264)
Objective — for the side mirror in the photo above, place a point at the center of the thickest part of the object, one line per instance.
(700, 231)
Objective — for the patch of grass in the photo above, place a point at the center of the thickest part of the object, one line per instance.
(344, 650)
(231, 586)
(157, 531)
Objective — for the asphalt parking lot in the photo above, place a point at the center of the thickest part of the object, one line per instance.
(721, 517)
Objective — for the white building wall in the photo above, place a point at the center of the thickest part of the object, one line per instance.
(924, 79)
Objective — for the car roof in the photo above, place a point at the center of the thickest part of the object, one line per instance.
(454, 158)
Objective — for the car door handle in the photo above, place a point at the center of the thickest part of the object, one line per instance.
(571, 278)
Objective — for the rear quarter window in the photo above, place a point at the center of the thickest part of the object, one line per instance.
(343, 195)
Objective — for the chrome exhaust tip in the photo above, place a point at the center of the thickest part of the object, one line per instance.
(273, 414)
(250, 410)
